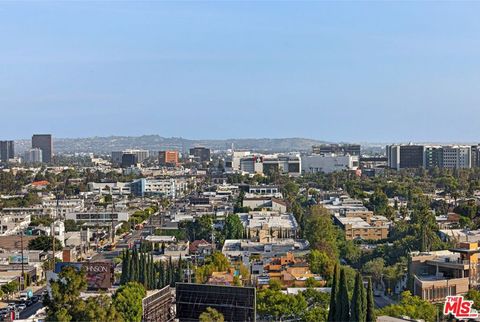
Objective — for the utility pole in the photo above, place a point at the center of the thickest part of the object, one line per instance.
(113, 227)
(53, 231)
(23, 268)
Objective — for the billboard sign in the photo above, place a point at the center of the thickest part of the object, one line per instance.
(17, 259)
(99, 274)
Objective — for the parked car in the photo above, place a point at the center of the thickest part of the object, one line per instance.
(21, 307)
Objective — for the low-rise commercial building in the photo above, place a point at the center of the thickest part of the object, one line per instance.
(328, 163)
(94, 216)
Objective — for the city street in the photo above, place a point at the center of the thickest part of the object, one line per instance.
(32, 309)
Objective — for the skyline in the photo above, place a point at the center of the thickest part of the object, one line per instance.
(352, 72)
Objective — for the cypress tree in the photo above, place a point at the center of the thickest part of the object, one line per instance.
(370, 315)
(141, 268)
(153, 282)
(342, 309)
(130, 267)
(125, 267)
(161, 275)
(135, 268)
(168, 273)
(146, 282)
(179, 270)
(359, 301)
(333, 294)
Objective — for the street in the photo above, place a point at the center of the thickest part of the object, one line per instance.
(32, 309)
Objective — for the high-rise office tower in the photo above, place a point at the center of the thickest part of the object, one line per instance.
(7, 150)
(339, 149)
(201, 154)
(44, 143)
(168, 157)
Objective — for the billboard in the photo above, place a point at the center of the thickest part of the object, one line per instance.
(99, 274)
(158, 306)
(17, 259)
(235, 303)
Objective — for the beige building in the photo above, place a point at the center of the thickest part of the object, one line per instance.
(444, 273)
(266, 226)
(363, 225)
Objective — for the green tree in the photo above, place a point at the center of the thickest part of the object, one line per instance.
(280, 306)
(333, 295)
(99, 308)
(275, 285)
(321, 263)
(65, 292)
(71, 225)
(474, 295)
(320, 231)
(233, 227)
(378, 201)
(359, 301)
(375, 268)
(342, 310)
(211, 315)
(370, 314)
(128, 301)
(44, 243)
(10, 288)
(412, 306)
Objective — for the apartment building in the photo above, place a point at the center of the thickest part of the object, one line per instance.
(268, 203)
(265, 226)
(372, 228)
(445, 273)
(110, 188)
(34, 155)
(171, 187)
(62, 207)
(13, 223)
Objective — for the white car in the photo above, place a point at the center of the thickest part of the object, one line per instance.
(21, 307)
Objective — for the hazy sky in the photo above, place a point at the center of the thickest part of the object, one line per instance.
(369, 71)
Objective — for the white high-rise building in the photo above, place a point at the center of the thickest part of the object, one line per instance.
(456, 157)
(33, 156)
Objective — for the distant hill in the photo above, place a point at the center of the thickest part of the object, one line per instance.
(156, 142)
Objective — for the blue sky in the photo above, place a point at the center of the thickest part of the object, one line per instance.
(340, 71)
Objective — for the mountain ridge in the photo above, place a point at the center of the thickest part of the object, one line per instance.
(107, 144)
